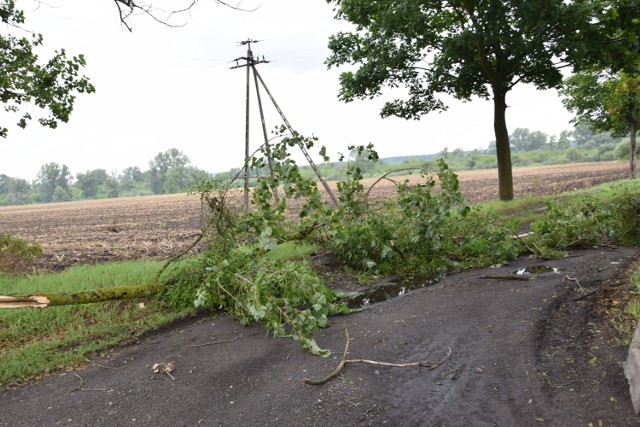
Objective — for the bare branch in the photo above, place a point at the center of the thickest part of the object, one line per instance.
(126, 8)
(429, 365)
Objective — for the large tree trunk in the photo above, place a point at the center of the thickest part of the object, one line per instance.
(632, 149)
(43, 299)
(505, 177)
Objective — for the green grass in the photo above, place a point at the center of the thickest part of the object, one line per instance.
(633, 304)
(37, 341)
(285, 251)
(528, 209)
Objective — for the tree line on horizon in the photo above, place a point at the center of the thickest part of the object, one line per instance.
(171, 171)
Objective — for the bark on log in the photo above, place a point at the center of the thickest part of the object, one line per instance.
(45, 299)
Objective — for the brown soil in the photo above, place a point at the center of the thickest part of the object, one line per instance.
(160, 226)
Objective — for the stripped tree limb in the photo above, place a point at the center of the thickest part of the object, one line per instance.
(80, 388)
(344, 361)
(44, 299)
(215, 342)
(507, 277)
(338, 368)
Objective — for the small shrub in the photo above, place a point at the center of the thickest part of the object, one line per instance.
(578, 225)
(17, 255)
(625, 211)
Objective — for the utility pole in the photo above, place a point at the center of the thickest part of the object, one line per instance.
(251, 66)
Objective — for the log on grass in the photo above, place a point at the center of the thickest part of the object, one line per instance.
(46, 299)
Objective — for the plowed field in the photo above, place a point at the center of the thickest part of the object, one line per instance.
(159, 226)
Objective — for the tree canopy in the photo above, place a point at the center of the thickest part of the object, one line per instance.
(606, 101)
(53, 182)
(27, 81)
(467, 49)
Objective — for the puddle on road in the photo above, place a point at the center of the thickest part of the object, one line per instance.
(380, 292)
(536, 270)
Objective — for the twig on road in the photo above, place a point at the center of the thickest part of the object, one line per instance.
(429, 365)
(215, 342)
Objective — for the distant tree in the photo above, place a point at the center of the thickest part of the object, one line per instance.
(133, 173)
(458, 152)
(564, 140)
(129, 177)
(176, 180)
(52, 176)
(537, 140)
(160, 166)
(582, 134)
(4, 184)
(170, 172)
(572, 154)
(90, 181)
(519, 139)
(492, 147)
(469, 48)
(60, 195)
(14, 191)
(112, 184)
(606, 101)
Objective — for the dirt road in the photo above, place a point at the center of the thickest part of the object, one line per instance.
(522, 353)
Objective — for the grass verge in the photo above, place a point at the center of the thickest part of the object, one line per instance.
(38, 341)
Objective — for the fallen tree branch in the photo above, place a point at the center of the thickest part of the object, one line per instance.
(573, 279)
(45, 299)
(344, 361)
(338, 368)
(215, 342)
(506, 277)
(80, 388)
(423, 363)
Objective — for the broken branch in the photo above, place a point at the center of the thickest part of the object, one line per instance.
(42, 300)
(85, 389)
(215, 342)
(338, 368)
(506, 277)
(344, 361)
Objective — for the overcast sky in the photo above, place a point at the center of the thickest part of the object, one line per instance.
(159, 88)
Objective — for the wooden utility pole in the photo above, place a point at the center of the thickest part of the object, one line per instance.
(267, 149)
(250, 64)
